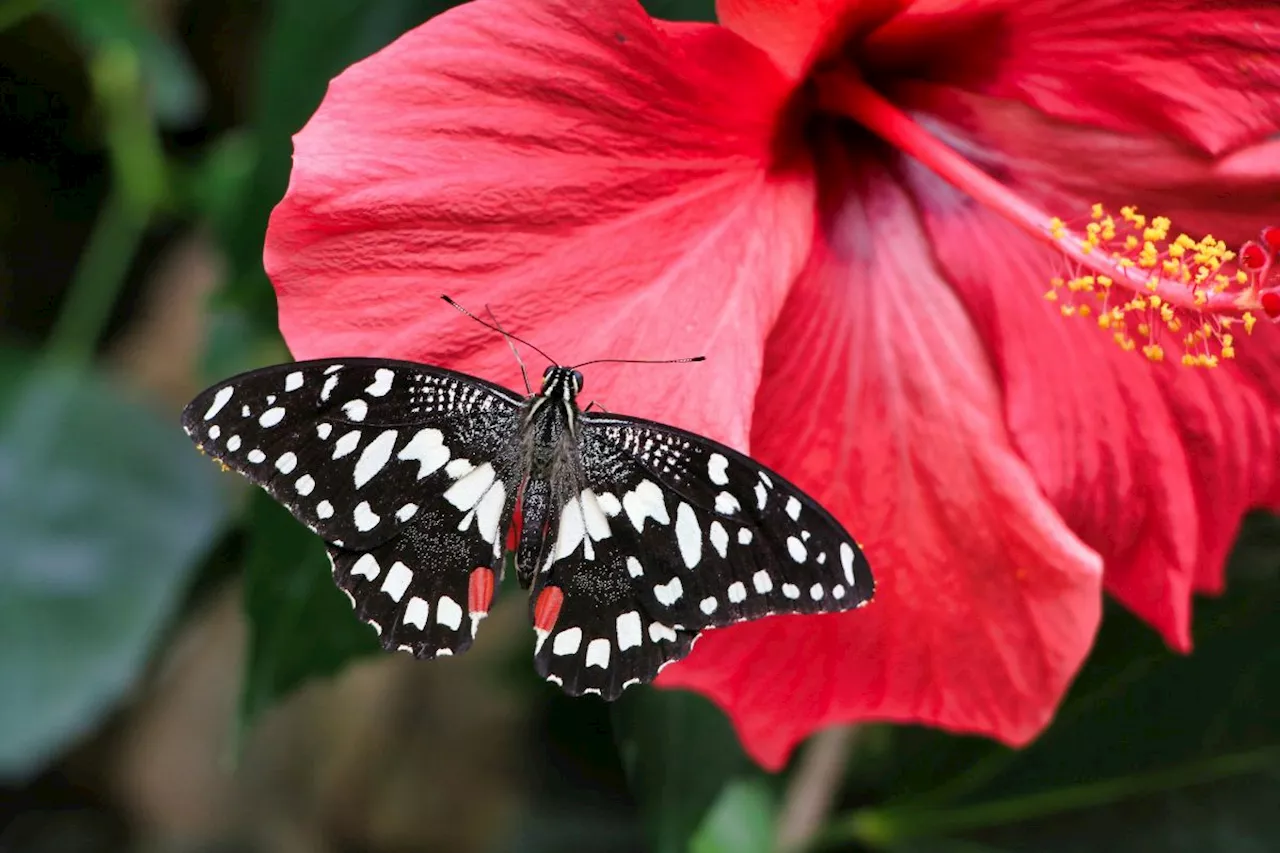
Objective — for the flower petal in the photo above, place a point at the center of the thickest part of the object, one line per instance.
(1205, 71)
(1065, 167)
(1152, 466)
(797, 33)
(878, 399)
(601, 183)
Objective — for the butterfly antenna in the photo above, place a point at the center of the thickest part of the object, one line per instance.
(640, 361)
(520, 361)
(510, 337)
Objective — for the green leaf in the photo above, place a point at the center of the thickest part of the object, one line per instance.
(1143, 729)
(679, 752)
(300, 625)
(105, 509)
(176, 92)
(682, 10)
(743, 820)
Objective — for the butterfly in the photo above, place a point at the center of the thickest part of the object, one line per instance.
(632, 536)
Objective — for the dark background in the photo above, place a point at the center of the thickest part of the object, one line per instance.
(158, 668)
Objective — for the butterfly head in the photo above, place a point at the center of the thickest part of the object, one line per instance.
(561, 383)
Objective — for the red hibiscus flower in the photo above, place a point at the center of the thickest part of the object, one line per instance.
(855, 209)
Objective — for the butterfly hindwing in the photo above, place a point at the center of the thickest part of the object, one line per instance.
(357, 448)
(425, 590)
(673, 533)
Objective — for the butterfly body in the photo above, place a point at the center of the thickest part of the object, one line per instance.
(631, 535)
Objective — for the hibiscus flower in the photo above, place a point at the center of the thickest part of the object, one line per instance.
(856, 210)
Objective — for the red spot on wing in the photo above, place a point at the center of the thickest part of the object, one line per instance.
(480, 590)
(547, 609)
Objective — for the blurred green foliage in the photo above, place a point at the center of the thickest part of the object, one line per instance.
(107, 514)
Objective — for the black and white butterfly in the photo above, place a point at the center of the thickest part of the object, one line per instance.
(633, 536)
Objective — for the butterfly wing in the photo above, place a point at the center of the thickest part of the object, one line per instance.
(408, 472)
(672, 533)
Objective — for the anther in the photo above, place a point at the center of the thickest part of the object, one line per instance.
(1149, 286)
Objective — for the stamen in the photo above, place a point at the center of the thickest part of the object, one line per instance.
(1143, 287)
(1196, 290)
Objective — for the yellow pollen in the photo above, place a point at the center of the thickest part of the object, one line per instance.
(1163, 291)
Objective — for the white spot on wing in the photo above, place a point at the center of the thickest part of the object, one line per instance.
(793, 508)
(416, 613)
(659, 632)
(323, 430)
(233, 443)
(688, 535)
(459, 468)
(489, 512)
(727, 504)
(719, 538)
(846, 560)
(717, 469)
(327, 389)
(355, 410)
(609, 504)
(346, 444)
(306, 485)
(271, 417)
(737, 592)
(645, 501)
(287, 462)
(397, 581)
(293, 381)
(708, 605)
(762, 497)
(374, 457)
(668, 593)
(838, 591)
(629, 635)
(220, 399)
(596, 519)
(406, 512)
(256, 456)
(744, 536)
(324, 509)
(427, 449)
(367, 566)
(796, 549)
(598, 653)
(567, 642)
(382, 378)
(215, 431)
(448, 613)
(468, 491)
(762, 582)
(364, 517)
(791, 591)
(634, 568)
(815, 592)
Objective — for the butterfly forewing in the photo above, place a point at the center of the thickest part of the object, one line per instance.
(407, 471)
(673, 533)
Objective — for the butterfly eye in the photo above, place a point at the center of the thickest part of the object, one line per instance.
(546, 374)
(577, 378)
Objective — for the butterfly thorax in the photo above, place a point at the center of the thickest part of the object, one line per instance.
(552, 466)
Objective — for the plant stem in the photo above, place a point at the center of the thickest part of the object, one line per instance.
(139, 180)
(100, 275)
(884, 827)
